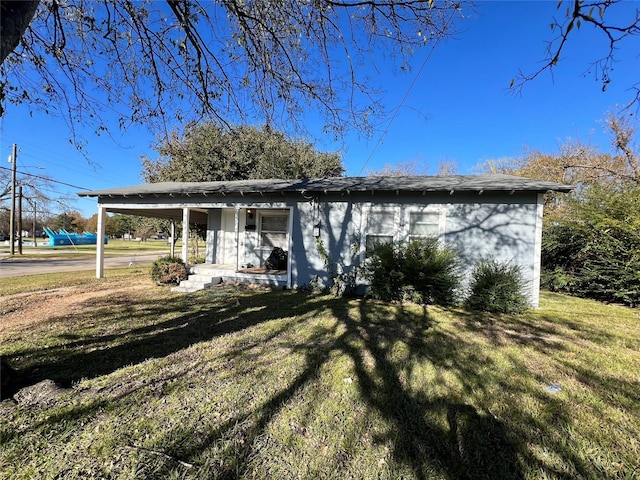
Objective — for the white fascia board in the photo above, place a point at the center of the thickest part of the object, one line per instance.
(180, 205)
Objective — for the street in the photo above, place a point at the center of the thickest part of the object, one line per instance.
(17, 267)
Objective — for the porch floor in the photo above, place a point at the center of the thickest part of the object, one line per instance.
(228, 273)
(262, 270)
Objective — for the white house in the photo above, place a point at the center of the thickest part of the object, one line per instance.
(497, 216)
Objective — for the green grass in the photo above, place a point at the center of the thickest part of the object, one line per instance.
(114, 246)
(85, 278)
(233, 383)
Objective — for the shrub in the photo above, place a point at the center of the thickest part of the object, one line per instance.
(421, 271)
(432, 270)
(168, 270)
(593, 250)
(497, 288)
(383, 270)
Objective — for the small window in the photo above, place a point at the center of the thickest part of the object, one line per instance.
(273, 230)
(423, 224)
(380, 228)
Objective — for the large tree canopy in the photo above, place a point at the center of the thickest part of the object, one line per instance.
(206, 152)
(230, 60)
(258, 61)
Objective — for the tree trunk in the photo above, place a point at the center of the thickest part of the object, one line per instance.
(15, 17)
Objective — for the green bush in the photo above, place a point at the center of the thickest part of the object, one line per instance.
(432, 270)
(593, 251)
(168, 270)
(497, 288)
(421, 271)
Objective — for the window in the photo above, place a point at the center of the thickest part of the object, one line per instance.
(423, 224)
(273, 230)
(380, 228)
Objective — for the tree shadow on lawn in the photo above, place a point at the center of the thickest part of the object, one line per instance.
(466, 445)
(86, 355)
(471, 445)
(434, 436)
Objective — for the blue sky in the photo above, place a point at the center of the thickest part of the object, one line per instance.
(458, 110)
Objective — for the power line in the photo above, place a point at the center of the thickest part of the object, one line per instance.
(397, 110)
(47, 179)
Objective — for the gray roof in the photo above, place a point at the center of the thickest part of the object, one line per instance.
(454, 183)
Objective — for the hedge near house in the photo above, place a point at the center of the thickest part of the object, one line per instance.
(422, 271)
(497, 287)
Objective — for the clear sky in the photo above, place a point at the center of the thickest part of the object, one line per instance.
(458, 110)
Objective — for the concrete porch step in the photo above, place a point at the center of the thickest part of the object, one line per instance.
(194, 284)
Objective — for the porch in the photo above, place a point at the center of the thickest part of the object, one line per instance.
(204, 275)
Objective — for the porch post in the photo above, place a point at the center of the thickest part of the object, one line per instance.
(102, 216)
(185, 235)
(237, 232)
(173, 238)
(290, 248)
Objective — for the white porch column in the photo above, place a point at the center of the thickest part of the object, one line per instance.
(237, 233)
(173, 239)
(290, 249)
(185, 235)
(102, 217)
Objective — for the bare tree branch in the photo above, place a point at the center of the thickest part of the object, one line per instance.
(590, 13)
(233, 61)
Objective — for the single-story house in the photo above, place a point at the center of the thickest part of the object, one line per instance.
(484, 216)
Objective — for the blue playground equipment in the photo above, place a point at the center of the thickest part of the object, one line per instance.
(62, 237)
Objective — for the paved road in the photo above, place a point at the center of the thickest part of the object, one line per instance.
(17, 267)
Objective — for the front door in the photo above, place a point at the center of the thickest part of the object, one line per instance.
(228, 237)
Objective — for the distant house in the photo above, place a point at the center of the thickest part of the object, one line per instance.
(497, 216)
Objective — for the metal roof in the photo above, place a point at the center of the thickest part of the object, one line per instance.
(453, 183)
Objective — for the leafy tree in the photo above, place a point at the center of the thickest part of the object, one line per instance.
(208, 152)
(591, 239)
(593, 249)
(579, 164)
(123, 224)
(237, 61)
(71, 222)
(576, 163)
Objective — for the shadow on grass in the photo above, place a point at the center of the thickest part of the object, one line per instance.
(83, 355)
(434, 436)
(469, 445)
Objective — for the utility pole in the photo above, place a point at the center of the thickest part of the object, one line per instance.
(20, 219)
(35, 224)
(12, 218)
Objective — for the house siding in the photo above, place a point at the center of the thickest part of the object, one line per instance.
(505, 226)
(480, 227)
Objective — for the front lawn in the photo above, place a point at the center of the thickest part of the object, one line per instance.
(240, 383)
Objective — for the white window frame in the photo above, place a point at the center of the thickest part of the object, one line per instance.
(273, 213)
(433, 208)
(394, 234)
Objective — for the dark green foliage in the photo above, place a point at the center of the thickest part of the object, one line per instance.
(168, 270)
(207, 152)
(497, 288)
(421, 271)
(593, 251)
